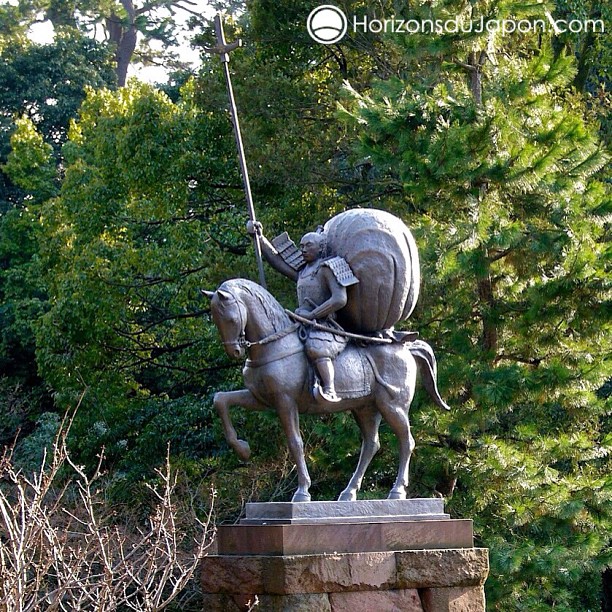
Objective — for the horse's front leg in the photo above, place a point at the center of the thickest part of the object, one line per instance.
(222, 402)
(289, 417)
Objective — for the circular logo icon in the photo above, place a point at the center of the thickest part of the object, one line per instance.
(327, 24)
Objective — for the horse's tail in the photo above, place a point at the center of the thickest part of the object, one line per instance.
(426, 362)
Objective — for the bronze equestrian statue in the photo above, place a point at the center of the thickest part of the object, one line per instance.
(375, 366)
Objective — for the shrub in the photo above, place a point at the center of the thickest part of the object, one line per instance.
(63, 548)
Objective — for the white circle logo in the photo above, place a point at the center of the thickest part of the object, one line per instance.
(327, 24)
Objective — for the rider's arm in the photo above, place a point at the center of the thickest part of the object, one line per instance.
(270, 253)
(335, 302)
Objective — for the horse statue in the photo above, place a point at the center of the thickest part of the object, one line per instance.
(278, 376)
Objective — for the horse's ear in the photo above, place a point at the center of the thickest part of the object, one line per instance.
(224, 295)
(208, 294)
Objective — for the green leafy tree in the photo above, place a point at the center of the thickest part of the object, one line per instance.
(144, 219)
(22, 292)
(494, 168)
(63, 69)
(34, 119)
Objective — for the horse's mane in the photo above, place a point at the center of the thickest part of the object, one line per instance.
(276, 313)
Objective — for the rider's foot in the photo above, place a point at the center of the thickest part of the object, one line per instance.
(329, 395)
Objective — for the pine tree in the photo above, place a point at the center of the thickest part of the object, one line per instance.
(496, 170)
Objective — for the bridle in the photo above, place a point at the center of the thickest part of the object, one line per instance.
(243, 342)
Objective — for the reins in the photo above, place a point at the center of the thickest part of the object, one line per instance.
(257, 363)
(273, 337)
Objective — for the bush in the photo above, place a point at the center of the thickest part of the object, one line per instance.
(63, 548)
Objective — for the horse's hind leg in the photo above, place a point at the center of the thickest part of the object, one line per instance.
(222, 402)
(368, 420)
(397, 417)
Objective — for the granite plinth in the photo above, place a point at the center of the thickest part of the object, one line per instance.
(417, 580)
(316, 538)
(371, 511)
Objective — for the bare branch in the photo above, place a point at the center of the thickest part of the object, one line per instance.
(61, 554)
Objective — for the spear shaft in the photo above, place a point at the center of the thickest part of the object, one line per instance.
(222, 49)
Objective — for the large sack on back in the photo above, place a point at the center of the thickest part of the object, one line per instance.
(383, 255)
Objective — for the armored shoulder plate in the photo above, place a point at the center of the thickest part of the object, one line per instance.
(290, 254)
(342, 271)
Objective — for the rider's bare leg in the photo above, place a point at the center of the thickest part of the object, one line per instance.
(325, 368)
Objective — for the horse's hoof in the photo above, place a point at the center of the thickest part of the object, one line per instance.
(395, 494)
(348, 496)
(301, 497)
(243, 450)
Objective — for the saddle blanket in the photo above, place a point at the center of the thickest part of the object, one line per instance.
(353, 374)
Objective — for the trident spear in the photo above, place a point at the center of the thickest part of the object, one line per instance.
(222, 49)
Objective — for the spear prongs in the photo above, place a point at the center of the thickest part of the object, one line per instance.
(222, 49)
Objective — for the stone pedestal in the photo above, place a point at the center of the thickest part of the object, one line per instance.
(412, 562)
(331, 512)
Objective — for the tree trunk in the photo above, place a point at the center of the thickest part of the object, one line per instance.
(489, 326)
(124, 36)
(584, 62)
(476, 61)
(586, 54)
(475, 79)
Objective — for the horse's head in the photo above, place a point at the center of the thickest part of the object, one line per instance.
(230, 317)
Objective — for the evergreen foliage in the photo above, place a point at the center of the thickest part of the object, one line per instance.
(497, 177)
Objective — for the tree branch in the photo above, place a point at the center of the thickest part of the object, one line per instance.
(534, 361)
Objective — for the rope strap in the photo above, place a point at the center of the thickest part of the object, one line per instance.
(338, 332)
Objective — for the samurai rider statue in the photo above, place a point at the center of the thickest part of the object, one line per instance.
(321, 291)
